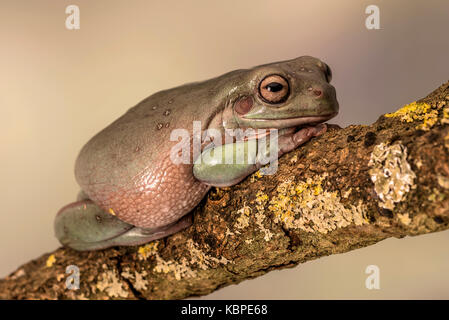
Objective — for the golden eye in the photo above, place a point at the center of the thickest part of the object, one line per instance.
(274, 89)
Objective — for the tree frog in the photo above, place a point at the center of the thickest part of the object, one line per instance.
(132, 190)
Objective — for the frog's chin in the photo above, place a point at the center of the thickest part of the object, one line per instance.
(287, 122)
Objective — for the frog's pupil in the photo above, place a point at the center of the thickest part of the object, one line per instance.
(274, 87)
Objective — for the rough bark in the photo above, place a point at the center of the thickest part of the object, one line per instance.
(347, 189)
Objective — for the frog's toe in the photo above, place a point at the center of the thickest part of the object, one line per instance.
(83, 225)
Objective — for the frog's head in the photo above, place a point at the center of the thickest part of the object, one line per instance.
(286, 94)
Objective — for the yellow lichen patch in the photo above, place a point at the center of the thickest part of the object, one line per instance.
(294, 159)
(391, 173)
(261, 197)
(445, 118)
(261, 200)
(417, 112)
(50, 260)
(147, 250)
(111, 211)
(111, 284)
(436, 195)
(305, 205)
(256, 175)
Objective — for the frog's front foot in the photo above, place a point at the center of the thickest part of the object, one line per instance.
(211, 168)
(83, 225)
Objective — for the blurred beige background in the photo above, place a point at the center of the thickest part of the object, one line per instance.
(59, 87)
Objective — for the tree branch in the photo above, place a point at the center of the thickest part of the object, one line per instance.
(347, 189)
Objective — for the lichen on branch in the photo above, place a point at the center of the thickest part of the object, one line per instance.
(346, 189)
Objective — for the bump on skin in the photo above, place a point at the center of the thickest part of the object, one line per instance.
(391, 174)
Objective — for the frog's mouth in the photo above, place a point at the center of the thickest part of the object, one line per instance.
(284, 126)
(280, 123)
(289, 122)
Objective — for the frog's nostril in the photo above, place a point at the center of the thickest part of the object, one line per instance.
(318, 93)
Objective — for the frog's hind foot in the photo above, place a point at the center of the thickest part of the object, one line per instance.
(83, 226)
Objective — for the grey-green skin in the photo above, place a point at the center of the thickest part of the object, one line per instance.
(133, 193)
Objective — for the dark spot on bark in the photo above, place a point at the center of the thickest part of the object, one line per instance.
(386, 213)
(370, 139)
(196, 237)
(433, 137)
(211, 241)
(395, 138)
(379, 128)
(419, 133)
(350, 138)
(98, 218)
(438, 219)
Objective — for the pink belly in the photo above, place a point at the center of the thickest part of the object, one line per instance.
(159, 196)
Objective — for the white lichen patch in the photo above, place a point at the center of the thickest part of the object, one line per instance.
(111, 284)
(183, 268)
(443, 181)
(242, 220)
(305, 205)
(138, 278)
(229, 233)
(261, 201)
(180, 269)
(19, 273)
(391, 173)
(404, 219)
(201, 259)
(260, 217)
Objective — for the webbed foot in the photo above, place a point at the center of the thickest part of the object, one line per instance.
(83, 226)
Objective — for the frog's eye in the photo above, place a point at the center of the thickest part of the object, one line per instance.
(327, 73)
(274, 89)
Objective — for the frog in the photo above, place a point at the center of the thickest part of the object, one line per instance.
(132, 189)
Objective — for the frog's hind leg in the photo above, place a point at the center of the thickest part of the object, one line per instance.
(83, 225)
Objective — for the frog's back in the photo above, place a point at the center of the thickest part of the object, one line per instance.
(126, 168)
